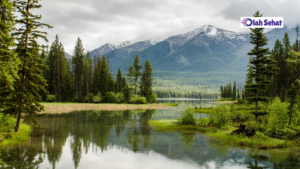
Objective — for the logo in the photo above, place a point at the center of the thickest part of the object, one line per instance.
(261, 22)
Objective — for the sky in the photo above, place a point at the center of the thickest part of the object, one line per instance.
(98, 22)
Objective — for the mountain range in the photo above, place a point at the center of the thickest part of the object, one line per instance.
(204, 49)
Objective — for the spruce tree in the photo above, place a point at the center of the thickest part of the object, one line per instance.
(104, 77)
(119, 81)
(286, 56)
(282, 94)
(87, 76)
(77, 66)
(26, 99)
(146, 80)
(130, 76)
(234, 91)
(259, 63)
(292, 100)
(8, 58)
(137, 67)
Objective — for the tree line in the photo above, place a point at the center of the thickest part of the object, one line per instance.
(86, 79)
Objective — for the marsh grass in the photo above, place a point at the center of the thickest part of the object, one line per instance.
(222, 136)
(174, 126)
(170, 104)
(225, 138)
(22, 136)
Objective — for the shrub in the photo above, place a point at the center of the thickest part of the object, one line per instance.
(278, 117)
(6, 122)
(233, 113)
(50, 98)
(86, 98)
(97, 98)
(137, 99)
(152, 98)
(187, 117)
(119, 98)
(222, 114)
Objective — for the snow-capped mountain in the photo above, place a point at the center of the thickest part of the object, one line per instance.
(179, 51)
(109, 47)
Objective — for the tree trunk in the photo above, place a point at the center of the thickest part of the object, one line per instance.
(17, 127)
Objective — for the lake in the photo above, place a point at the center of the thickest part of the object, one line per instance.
(123, 139)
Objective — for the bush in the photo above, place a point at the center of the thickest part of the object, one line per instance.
(119, 98)
(233, 113)
(86, 98)
(97, 98)
(187, 117)
(152, 98)
(50, 98)
(222, 114)
(278, 117)
(137, 99)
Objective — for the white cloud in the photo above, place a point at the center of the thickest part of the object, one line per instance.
(98, 22)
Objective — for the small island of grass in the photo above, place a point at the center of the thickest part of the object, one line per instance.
(236, 125)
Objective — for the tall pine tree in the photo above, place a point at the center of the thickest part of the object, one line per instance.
(259, 64)
(146, 80)
(26, 98)
(77, 65)
(137, 73)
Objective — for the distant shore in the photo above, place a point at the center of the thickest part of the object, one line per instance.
(59, 108)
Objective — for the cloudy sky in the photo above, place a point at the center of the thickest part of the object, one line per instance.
(98, 22)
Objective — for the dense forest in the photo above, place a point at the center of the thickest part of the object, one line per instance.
(84, 78)
(280, 74)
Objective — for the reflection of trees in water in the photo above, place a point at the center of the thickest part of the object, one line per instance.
(187, 138)
(257, 158)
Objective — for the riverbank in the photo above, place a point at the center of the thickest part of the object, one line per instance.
(223, 136)
(59, 108)
(22, 136)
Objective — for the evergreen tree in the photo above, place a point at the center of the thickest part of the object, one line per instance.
(137, 67)
(260, 64)
(282, 94)
(25, 98)
(104, 77)
(119, 82)
(8, 58)
(146, 80)
(124, 82)
(286, 56)
(130, 76)
(234, 91)
(279, 65)
(87, 76)
(249, 80)
(96, 77)
(292, 95)
(77, 65)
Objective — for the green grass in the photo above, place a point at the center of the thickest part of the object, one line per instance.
(225, 138)
(22, 136)
(170, 104)
(173, 126)
(222, 136)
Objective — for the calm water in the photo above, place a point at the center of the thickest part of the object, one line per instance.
(123, 139)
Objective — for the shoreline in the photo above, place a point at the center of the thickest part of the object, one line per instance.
(59, 108)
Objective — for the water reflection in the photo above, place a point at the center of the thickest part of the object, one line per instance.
(124, 139)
